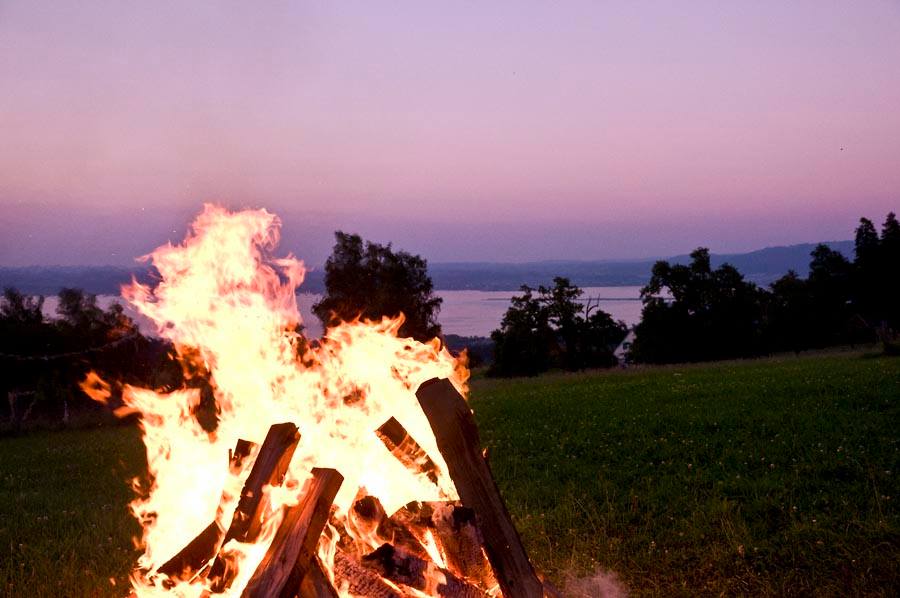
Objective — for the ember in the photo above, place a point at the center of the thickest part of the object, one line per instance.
(299, 491)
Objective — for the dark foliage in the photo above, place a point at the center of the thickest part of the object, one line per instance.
(694, 313)
(371, 281)
(44, 360)
(553, 329)
(876, 280)
(522, 344)
(791, 319)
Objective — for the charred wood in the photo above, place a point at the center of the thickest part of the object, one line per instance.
(401, 567)
(370, 519)
(462, 544)
(407, 450)
(193, 557)
(351, 576)
(458, 441)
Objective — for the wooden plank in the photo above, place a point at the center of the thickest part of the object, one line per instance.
(198, 552)
(269, 469)
(293, 549)
(405, 448)
(457, 439)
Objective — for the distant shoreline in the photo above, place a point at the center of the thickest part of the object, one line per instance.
(762, 267)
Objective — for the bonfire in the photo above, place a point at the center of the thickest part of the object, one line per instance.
(350, 466)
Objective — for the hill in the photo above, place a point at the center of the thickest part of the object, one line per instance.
(762, 266)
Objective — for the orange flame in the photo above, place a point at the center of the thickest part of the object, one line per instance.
(229, 306)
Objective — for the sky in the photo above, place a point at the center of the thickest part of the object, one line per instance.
(463, 131)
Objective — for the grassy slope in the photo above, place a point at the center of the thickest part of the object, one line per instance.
(773, 476)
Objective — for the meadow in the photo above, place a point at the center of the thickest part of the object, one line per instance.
(764, 477)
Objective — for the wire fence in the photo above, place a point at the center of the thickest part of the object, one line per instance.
(71, 354)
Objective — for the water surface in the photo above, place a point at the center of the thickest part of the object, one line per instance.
(466, 313)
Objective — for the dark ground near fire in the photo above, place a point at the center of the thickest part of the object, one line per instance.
(774, 476)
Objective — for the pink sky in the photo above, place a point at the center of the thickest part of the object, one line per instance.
(498, 131)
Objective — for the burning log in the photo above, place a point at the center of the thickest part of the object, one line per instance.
(195, 555)
(401, 567)
(198, 552)
(316, 583)
(268, 470)
(462, 543)
(455, 531)
(406, 449)
(292, 552)
(360, 581)
(369, 517)
(457, 439)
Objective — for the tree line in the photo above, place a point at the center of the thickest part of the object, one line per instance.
(695, 313)
(691, 312)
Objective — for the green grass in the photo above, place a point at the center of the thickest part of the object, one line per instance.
(64, 525)
(773, 477)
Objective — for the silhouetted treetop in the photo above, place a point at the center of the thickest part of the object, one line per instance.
(553, 329)
(367, 280)
(693, 313)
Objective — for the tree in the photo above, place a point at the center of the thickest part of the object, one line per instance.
(47, 358)
(831, 280)
(553, 329)
(890, 270)
(370, 281)
(21, 309)
(563, 312)
(890, 235)
(867, 272)
(600, 335)
(522, 344)
(790, 322)
(694, 313)
(23, 330)
(866, 243)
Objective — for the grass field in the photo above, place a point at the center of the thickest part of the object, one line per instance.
(772, 477)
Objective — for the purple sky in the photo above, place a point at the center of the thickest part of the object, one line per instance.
(476, 131)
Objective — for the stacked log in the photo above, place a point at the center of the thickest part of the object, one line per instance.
(466, 548)
(293, 550)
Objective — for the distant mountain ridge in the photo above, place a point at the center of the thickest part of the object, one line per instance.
(761, 266)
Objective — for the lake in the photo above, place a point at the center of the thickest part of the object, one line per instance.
(466, 313)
